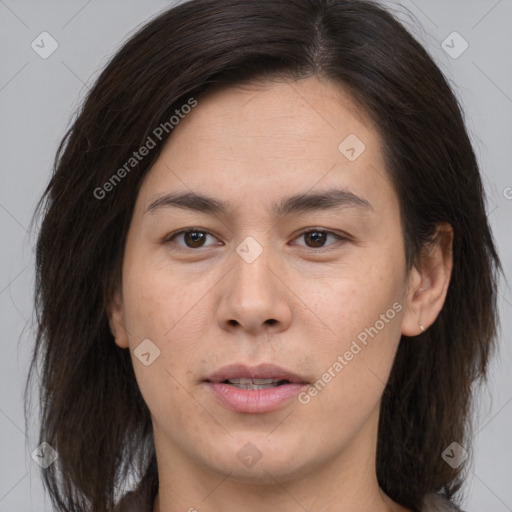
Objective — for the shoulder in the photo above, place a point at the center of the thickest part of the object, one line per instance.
(437, 503)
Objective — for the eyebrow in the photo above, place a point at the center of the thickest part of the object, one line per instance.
(333, 199)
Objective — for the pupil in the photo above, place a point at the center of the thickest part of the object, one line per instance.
(317, 237)
(196, 237)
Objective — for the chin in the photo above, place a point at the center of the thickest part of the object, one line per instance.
(255, 459)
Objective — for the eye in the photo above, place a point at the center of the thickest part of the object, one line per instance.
(192, 238)
(316, 238)
(195, 238)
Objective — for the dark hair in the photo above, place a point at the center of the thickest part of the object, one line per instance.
(92, 411)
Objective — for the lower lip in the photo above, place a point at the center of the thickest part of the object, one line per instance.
(254, 400)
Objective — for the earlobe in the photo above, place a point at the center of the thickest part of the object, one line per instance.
(428, 283)
(116, 320)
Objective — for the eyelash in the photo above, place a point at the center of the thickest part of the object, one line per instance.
(172, 236)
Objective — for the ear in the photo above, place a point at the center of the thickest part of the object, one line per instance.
(428, 283)
(116, 320)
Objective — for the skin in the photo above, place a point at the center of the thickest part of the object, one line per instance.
(204, 306)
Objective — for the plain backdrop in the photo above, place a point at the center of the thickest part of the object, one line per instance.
(38, 97)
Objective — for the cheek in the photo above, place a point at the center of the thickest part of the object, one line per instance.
(363, 310)
(164, 308)
(354, 297)
(155, 314)
(157, 299)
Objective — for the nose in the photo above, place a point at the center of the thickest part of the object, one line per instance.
(254, 295)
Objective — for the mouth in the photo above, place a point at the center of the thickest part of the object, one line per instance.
(258, 389)
(263, 376)
(245, 383)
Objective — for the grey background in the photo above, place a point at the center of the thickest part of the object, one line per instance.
(38, 97)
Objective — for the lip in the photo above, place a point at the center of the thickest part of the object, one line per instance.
(254, 401)
(261, 371)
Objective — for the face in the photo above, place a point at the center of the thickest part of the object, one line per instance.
(270, 327)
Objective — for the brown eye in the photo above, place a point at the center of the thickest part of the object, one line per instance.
(317, 238)
(192, 238)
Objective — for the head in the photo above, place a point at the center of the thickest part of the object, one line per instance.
(322, 159)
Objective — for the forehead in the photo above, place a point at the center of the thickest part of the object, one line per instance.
(276, 114)
(268, 138)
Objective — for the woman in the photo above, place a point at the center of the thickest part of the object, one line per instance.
(253, 270)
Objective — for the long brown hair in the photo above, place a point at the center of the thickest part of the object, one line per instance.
(92, 412)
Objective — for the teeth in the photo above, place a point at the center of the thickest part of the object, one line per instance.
(244, 383)
(244, 380)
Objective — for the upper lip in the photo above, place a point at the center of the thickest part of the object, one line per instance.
(261, 371)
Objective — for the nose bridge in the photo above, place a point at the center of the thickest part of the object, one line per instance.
(253, 296)
(252, 261)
